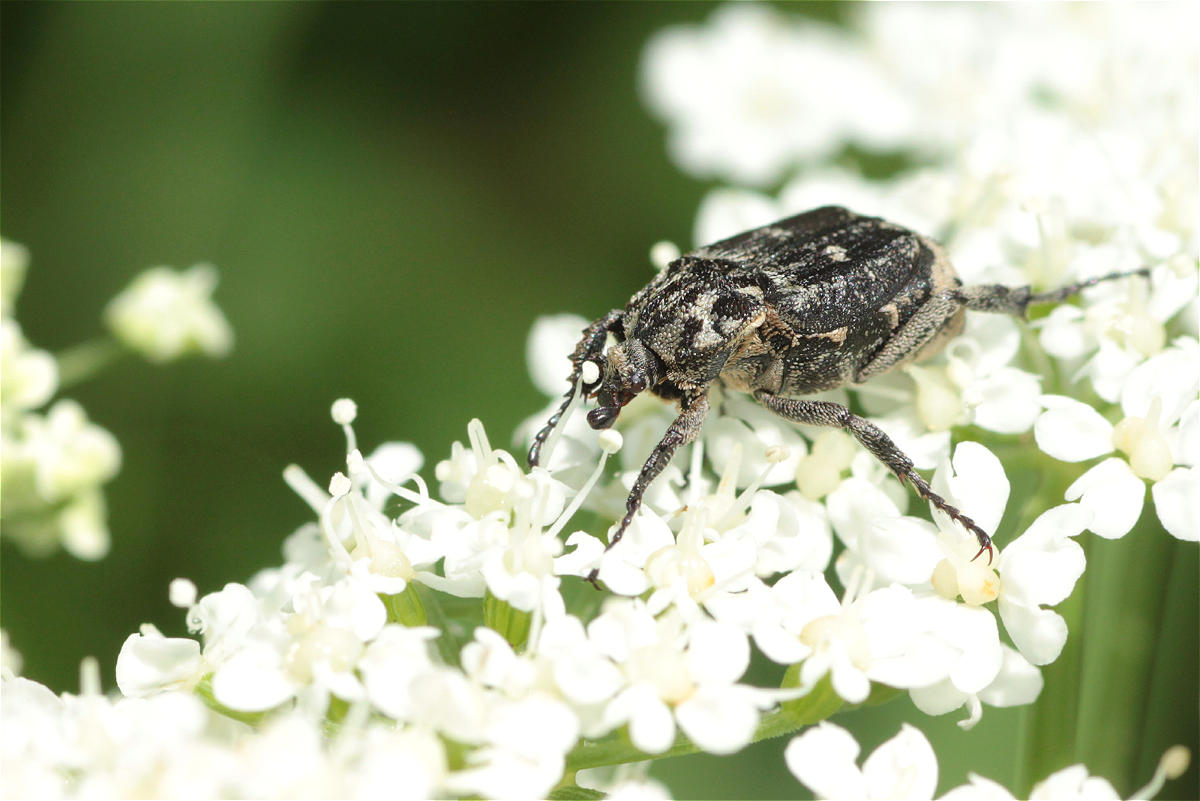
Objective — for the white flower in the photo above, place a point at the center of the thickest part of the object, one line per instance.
(68, 453)
(893, 547)
(1038, 568)
(1069, 784)
(150, 663)
(165, 314)
(1161, 428)
(823, 758)
(53, 468)
(677, 674)
(885, 635)
(28, 376)
(1018, 683)
(744, 101)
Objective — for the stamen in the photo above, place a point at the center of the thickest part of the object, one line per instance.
(479, 443)
(1172, 765)
(609, 445)
(325, 519)
(420, 498)
(589, 372)
(89, 676)
(775, 455)
(344, 411)
(300, 483)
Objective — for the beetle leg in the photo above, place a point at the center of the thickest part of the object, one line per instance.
(590, 347)
(935, 317)
(834, 415)
(682, 431)
(1015, 300)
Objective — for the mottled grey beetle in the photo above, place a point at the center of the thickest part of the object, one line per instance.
(816, 301)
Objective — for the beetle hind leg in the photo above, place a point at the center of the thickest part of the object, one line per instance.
(1016, 300)
(871, 437)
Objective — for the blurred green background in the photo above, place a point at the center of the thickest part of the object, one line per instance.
(392, 193)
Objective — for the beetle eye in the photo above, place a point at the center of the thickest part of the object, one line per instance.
(602, 416)
(637, 383)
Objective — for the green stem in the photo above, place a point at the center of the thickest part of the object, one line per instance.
(405, 607)
(512, 623)
(1050, 724)
(81, 362)
(1122, 618)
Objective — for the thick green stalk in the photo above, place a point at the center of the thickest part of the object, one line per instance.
(1127, 584)
(1051, 723)
(1048, 738)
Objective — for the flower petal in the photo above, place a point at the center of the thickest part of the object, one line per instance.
(822, 758)
(1039, 634)
(1018, 683)
(977, 483)
(1071, 431)
(904, 767)
(719, 719)
(1177, 502)
(1114, 496)
(150, 664)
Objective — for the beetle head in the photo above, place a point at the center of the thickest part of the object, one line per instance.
(629, 369)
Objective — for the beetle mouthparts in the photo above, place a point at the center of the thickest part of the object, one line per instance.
(602, 416)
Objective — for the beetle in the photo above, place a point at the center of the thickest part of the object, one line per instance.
(823, 299)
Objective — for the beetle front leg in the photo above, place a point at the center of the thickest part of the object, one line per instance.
(589, 348)
(682, 431)
(834, 415)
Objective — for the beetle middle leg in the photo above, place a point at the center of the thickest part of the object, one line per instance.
(834, 415)
(682, 431)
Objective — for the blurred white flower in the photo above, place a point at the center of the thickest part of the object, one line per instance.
(14, 261)
(28, 376)
(54, 466)
(824, 759)
(748, 95)
(165, 314)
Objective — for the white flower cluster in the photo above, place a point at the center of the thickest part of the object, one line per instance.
(173, 746)
(166, 314)
(905, 767)
(55, 461)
